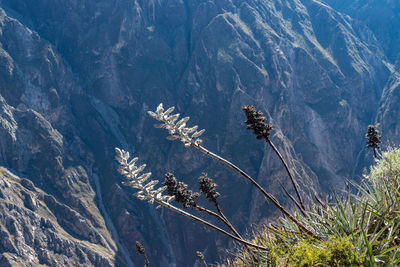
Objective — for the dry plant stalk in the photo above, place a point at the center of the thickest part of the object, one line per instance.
(148, 192)
(190, 137)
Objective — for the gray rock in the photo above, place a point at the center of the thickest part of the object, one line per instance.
(76, 80)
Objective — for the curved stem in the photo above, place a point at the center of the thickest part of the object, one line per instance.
(219, 217)
(146, 261)
(267, 195)
(292, 199)
(227, 222)
(222, 218)
(216, 228)
(296, 188)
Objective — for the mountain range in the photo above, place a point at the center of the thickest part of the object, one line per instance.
(78, 77)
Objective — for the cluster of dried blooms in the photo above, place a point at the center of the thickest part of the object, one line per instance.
(140, 248)
(208, 187)
(373, 138)
(256, 122)
(180, 192)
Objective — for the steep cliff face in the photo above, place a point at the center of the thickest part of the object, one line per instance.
(37, 229)
(77, 77)
(381, 17)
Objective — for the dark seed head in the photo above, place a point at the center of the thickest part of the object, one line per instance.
(256, 122)
(140, 248)
(208, 187)
(373, 137)
(200, 255)
(179, 191)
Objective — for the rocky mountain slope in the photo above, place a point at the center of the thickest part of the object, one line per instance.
(76, 80)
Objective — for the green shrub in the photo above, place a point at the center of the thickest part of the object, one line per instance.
(361, 229)
(336, 251)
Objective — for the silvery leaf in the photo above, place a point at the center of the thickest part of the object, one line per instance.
(133, 161)
(197, 134)
(151, 184)
(152, 114)
(170, 198)
(173, 118)
(159, 126)
(118, 152)
(142, 178)
(184, 120)
(141, 168)
(193, 129)
(160, 190)
(141, 197)
(160, 109)
(168, 111)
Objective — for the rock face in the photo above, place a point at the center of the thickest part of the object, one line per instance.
(36, 229)
(76, 80)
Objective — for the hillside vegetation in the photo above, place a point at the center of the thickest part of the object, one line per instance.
(357, 229)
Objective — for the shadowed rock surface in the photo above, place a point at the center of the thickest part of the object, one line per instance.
(76, 80)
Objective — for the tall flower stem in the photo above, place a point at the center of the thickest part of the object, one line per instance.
(267, 195)
(221, 218)
(293, 200)
(296, 187)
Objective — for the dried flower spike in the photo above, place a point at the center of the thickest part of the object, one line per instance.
(208, 187)
(200, 255)
(179, 191)
(140, 248)
(177, 129)
(256, 122)
(373, 138)
(131, 171)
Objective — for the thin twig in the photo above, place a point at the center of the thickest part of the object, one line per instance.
(225, 220)
(320, 201)
(292, 198)
(173, 208)
(296, 187)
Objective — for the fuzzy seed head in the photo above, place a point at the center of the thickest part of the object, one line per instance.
(256, 122)
(373, 137)
(140, 248)
(179, 190)
(208, 187)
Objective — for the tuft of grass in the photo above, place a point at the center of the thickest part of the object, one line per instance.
(358, 229)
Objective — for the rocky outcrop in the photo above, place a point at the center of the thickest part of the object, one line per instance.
(76, 80)
(33, 231)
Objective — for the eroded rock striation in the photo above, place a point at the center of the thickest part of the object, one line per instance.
(76, 80)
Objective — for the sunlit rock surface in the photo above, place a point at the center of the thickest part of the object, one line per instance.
(76, 80)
